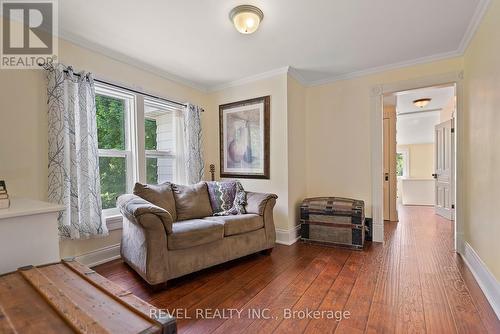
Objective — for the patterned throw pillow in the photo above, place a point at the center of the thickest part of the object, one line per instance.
(227, 197)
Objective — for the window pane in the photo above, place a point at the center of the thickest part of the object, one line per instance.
(113, 180)
(159, 170)
(151, 170)
(399, 164)
(110, 122)
(150, 133)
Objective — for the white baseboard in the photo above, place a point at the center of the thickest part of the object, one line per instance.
(100, 256)
(287, 236)
(487, 282)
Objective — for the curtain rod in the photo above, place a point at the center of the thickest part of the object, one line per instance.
(136, 91)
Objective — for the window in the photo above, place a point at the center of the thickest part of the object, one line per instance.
(123, 159)
(402, 163)
(160, 125)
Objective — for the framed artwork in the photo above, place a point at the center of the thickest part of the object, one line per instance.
(244, 138)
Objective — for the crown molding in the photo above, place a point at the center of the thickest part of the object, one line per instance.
(294, 73)
(250, 79)
(384, 68)
(477, 17)
(86, 44)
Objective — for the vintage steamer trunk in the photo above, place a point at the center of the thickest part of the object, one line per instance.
(333, 220)
(68, 297)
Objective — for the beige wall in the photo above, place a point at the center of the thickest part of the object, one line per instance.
(297, 141)
(23, 123)
(421, 158)
(448, 110)
(482, 138)
(276, 87)
(338, 129)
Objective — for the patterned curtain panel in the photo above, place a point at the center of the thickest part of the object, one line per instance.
(193, 144)
(73, 153)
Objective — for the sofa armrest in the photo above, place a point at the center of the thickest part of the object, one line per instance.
(256, 202)
(137, 210)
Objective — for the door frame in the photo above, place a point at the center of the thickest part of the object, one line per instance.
(377, 168)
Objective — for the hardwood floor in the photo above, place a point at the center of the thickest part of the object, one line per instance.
(413, 283)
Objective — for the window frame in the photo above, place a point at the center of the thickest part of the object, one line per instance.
(135, 152)
(156, 153)
(130, 141)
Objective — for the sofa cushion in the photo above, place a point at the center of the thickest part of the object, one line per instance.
(194, 232)
(238, 224)
(227, 197)
(191, 202)
(160, 195)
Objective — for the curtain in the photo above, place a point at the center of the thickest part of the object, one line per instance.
(193, 155)
(73, 153)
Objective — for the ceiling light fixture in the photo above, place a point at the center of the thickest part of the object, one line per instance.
(246, 18)
(421, 103)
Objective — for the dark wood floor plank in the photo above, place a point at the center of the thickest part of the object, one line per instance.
(410, 317)
(465, 314)
(383, 311)
(415, 282)
(267, 294)
(438, 315)
(240, 290)
(291, 294)
(314, 295)
(361, 296)
(486, 313)
(337, 295)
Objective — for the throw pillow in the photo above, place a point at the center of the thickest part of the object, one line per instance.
(192, 201)
(160, 195)
(227, 197)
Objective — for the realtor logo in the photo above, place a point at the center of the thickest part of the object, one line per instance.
(28, 33)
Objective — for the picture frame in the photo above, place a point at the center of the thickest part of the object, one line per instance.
(244, 133)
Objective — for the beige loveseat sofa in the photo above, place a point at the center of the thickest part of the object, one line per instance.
(170, 233)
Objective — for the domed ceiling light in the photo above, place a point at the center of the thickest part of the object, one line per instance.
(246, 18)
(421, 103)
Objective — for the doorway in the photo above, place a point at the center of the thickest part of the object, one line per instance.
(419, 150)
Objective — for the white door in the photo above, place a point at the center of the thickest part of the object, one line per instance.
(444, 169)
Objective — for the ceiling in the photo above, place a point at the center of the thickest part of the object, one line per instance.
(322, 40)
(440, 98)
(415, 125)
(416, 128)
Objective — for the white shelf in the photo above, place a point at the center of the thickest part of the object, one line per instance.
(20, 207)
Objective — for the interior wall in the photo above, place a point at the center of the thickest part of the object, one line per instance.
(338, 129)
(276, 87)
(448, 111)
(421, 158)
(23, 109)
(481, 151)
(297, 141)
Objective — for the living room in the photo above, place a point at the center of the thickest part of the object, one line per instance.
(316, 76)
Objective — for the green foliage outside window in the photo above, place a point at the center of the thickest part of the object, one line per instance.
(150, 132)
(150, 128)
(110, 122)
(399, 164)
(111, 135)
(113, 180)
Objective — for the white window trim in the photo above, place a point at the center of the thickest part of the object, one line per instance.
(110, 214)
(134, 152)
